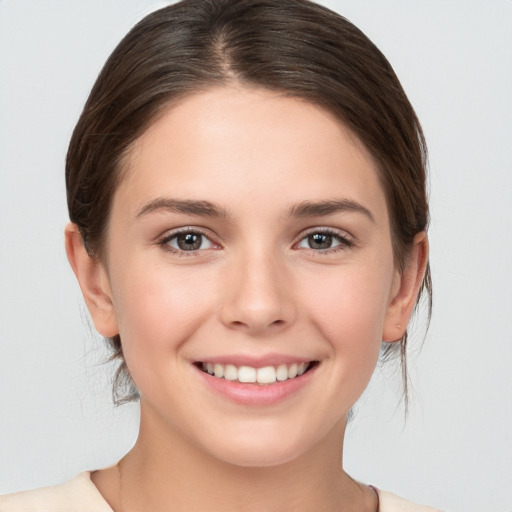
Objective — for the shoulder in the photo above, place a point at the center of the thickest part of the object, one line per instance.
(390, 502)
(76, 495)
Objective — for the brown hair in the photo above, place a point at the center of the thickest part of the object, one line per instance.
(293, 46)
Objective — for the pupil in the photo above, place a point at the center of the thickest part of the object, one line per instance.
(189, 242)
(320, 241)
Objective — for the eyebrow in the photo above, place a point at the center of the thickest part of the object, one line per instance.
(330, 207)
(185, 206)
(208, 209)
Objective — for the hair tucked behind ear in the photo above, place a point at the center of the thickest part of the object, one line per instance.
(294, 46)
(124, 389)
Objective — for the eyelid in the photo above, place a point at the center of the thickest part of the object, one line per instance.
(346, 240)
(167, 236)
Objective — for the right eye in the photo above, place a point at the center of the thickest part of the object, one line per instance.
(187, 241)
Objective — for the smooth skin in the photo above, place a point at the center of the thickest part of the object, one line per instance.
(292, 254)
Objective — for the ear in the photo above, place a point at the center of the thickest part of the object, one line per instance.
(94, 282)
(405, 290)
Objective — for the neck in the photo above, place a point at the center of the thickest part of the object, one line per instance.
(165, 469)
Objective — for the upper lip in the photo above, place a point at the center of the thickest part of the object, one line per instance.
(255, 361)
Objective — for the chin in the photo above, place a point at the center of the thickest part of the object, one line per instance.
(255, 447)
(258, 457)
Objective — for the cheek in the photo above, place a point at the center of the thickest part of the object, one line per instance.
(349, 305)
(349, 312)
(158, 310)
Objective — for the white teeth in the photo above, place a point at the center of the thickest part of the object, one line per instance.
(292, 371)
(266, 375)
(282, 372)
(248, 374)
(231, 372)
(218, 370)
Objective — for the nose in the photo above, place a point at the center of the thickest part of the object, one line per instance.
(258, 295)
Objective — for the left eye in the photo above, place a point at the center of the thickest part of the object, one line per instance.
(321, 241)
(189, 241)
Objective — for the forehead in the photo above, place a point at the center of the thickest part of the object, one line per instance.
(242, 144)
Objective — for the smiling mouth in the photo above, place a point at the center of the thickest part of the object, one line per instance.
(251, 375)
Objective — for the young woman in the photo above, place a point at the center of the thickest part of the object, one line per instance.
(246, 189)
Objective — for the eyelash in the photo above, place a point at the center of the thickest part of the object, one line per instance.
(343, 241)
(164, 241)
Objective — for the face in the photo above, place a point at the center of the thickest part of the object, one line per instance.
(251, 273)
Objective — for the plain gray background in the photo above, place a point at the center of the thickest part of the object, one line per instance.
(454, 58)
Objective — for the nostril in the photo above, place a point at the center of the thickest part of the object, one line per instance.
(274, 323)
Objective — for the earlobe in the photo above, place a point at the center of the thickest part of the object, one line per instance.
(406, 290)
(94, 283)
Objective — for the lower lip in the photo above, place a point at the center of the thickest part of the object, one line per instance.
(257, 394)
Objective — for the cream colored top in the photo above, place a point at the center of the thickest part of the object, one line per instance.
(81, 495)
